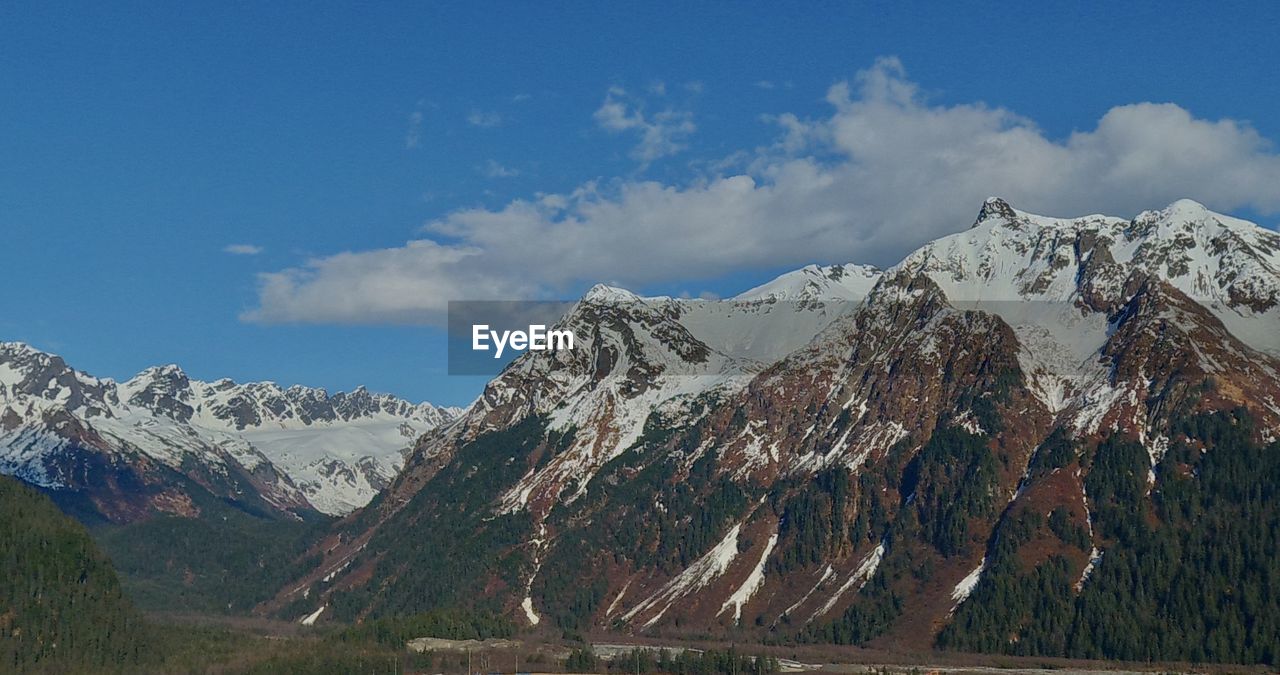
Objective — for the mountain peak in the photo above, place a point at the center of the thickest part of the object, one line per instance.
(1187, 206)
(995, 207)
(16, 346)
(606, 293)
(815, 282)
(168, 371)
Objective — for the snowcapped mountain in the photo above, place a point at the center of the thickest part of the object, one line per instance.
(817, 283)
(836, 450)
(296, 448)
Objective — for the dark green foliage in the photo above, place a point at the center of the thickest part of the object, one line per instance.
(1066, 529)
(206, 649)
(557, 443)
(565, 594)
(450, 624)
(1117, 487)
(693, 662)
(1056, 452)
(61, 605)
(225, 561)
(639, 509)
(1010, 611)
(983, 401)
(1188, 573)
(444, 546)
(328, 659)
(950, 482)
(813, 525)
(581, 660)
(878, 605)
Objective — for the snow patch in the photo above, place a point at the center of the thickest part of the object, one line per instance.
(866, 568)
(703, 571)
(527, 606)
(962, 590)
(310, 619)
(752, 584)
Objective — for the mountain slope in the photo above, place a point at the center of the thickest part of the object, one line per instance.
(61, 606)
(847, 476)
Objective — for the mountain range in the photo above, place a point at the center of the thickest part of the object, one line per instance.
(1034, 436)
(125, 450)
(1028, 413)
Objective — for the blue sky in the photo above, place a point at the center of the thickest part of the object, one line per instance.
(384, 158)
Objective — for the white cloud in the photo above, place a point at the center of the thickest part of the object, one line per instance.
(765, 84)
(483, 119)
(408, 284)
(242, 249)
(493, 169)
(661, 134)
(885, 171)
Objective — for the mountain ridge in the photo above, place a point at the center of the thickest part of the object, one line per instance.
(846, 482)
(312, 449)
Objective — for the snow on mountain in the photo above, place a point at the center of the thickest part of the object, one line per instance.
(851, 282)
(338, 450)
(1057, 280)
(1019, 326)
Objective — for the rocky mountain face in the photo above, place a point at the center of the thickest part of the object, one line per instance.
(161, 442)
(916, 456)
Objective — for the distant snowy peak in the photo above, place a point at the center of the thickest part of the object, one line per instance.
(167, 390)
(850, 282)
(1014, 255)
(1059, 282)
(29, 372)
(605, 294)
(336, 451)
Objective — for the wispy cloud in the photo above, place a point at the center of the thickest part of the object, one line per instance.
(493, 169)
(765, 84)
(242, 249)
(885, 170)
(484, 119)
(661, 134)
(413, 137)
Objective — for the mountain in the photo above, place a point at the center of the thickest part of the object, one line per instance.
(120, 451)
(63, 607)
(1010, 441)
(338, 449)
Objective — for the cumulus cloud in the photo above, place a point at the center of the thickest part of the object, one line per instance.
(661, 134)
(404, 285)
(884, 171)
(242, 249)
